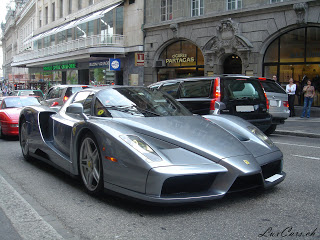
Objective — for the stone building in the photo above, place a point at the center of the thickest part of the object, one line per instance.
(74, 42)
(257, 37)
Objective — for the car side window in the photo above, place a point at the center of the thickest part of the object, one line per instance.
(196, 89)
(272, 87)
(171, 88)
(85, 98)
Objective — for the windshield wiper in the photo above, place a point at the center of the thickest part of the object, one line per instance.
(142, 110)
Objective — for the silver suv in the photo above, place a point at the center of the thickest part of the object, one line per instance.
(278, 103)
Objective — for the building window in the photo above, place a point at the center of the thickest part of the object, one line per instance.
(166, 10)
(61, 8)
(79, 4)
(46, 15)
(275, 1)
(196, 8)
(131, 1)
(53, 12)
(234, 4)
(70, 7)
(40, 17)
(295, 54)
(91, 2)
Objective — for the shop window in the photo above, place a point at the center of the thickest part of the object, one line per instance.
(166, 10)
(234, 4)
(272, 52)
(292, 46)
(196, 8)
(313, 44)
(299, 58)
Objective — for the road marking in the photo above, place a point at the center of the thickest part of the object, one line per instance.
(314, 158)
(25, 219)
(298, 145)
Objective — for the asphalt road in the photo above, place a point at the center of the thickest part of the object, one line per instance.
(44, 203)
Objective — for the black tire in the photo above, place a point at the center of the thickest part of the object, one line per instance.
(23, 139)
(271, 129)
(1, 134)
(90, 165)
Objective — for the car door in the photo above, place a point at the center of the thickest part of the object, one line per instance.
(64, 122)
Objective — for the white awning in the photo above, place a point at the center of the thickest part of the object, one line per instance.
(74, 23)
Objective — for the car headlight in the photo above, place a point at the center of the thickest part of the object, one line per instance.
(148, 154)
(260, 135)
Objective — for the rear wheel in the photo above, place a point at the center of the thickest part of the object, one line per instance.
(90, 165)
(23, 138)
(271, 129)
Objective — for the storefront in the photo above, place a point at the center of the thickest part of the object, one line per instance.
(180, 59)
(295, 54)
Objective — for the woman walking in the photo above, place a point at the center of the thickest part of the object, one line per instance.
(291, 91)
(308, 99)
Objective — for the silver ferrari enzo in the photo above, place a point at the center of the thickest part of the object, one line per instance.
(143, 144)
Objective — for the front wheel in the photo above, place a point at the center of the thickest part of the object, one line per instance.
(23, 138)
(90, 165)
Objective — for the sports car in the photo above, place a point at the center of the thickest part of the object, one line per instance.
(10, 108)
(142, 143)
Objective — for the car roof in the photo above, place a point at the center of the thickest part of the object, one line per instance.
(206, 78)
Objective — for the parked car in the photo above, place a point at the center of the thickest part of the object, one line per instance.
(243, 96)
(278, 103)
(10, 108)
(144, 144)
(58, 95)
(28, 92)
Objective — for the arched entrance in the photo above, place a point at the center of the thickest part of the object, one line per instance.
(232, 65)
(179, 60)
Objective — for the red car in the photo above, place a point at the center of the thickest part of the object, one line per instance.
(10, 108)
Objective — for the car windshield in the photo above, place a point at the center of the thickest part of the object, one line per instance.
(16, 102)
(136, 102)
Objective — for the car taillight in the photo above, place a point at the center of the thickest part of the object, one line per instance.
(286, 104)
(65, 98)
(267, 101)
(216, 93)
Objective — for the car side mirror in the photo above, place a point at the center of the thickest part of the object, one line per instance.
(218, 106)
(76, 108)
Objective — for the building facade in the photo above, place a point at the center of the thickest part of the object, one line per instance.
(257, 37)
(74, 42)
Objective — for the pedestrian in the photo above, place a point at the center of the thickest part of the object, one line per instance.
(291, 91)
(274, 78)
(308, 99)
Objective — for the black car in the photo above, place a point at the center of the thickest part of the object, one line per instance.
(243, 96)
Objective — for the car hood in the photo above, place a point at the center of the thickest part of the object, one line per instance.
(12, 113)
(193, 133)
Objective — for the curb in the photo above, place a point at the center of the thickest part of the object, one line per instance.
(298, 134)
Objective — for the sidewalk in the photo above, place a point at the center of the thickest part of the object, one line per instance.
(304, 127)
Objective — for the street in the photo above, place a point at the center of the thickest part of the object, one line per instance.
(58, 206)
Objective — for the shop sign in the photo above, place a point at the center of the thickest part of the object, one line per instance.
(180, 58)
(60, 67)
(115, 64)
(99, 64)
(139, 59)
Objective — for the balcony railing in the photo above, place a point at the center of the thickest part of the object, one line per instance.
(74, 45)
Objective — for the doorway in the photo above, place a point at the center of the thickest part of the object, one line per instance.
(232, 65)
